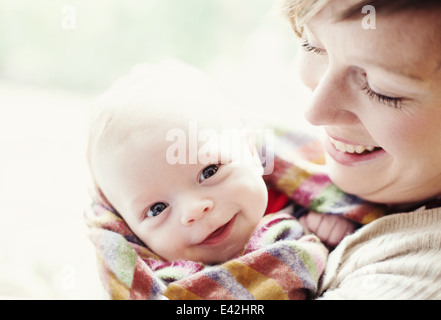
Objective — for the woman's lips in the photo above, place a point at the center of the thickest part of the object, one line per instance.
(219, 234)
(351, 148)
(350, 154)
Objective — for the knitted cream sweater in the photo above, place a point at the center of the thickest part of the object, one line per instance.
(395, 257)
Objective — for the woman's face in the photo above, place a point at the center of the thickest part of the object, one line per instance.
(377, 94)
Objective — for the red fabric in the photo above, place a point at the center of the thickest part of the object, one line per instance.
(276, 201)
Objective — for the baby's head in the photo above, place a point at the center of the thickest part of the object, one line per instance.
(182, 172)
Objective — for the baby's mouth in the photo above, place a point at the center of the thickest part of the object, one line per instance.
(219, 234)
(353, 149)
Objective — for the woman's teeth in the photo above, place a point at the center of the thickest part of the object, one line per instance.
(350, 148)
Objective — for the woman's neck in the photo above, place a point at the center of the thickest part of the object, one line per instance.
(408, 207)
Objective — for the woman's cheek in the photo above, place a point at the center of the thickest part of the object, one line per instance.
(309, 70)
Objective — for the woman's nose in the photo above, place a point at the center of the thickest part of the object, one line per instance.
(333, 101)
(195, 210)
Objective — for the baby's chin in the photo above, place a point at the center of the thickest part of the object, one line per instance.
(231, 247)
(221, 255)
(219, 259)
(231, 251)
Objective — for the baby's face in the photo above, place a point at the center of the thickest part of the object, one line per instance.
(203, 208)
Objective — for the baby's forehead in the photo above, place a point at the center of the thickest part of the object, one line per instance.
(142, 126)
(155, 101)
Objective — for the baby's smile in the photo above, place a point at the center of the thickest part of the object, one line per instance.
(220, 233)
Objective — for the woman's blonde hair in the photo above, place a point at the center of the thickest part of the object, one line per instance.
(298, 12)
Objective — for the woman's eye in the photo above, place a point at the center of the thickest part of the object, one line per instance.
(208, 172)
(156, 209)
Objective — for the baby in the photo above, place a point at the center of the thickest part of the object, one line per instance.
(180, 169)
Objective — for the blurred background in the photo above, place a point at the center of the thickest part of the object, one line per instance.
(56, 57)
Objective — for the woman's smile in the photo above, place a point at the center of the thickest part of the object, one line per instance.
(352, 154)
(351, 148)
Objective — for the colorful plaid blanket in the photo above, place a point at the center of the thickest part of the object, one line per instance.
(279, 262)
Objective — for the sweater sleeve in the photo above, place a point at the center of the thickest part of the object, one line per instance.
(394, 257)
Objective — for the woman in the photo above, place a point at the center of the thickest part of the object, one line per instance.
(376, 84)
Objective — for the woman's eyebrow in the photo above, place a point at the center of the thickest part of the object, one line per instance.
(310, 28)
(402, 72)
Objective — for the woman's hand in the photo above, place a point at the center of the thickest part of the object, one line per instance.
(330, 229)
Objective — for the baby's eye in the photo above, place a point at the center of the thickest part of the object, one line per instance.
(156, 209)
(208, 172)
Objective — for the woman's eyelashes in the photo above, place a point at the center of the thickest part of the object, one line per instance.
(156, 209)
(208, 172)
(389, 101)
(310, 48)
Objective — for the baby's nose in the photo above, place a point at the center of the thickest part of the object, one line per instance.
(196, 210)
